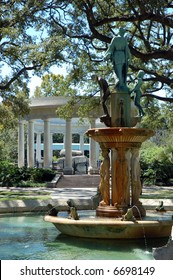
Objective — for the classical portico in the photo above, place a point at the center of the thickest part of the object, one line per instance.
(42, 119)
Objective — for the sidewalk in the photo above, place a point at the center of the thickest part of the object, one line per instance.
(82, 198)
(58, 198)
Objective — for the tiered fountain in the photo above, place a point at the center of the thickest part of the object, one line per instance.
(120, 214)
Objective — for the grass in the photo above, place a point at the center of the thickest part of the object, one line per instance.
(159, 193)
(31, 184)
(23, 195)
(149, 192)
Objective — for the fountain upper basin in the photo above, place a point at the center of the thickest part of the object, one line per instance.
(119, 135)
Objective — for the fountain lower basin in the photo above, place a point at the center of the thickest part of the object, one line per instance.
(111, 228)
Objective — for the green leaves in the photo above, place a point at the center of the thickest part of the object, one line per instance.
(156, 163)
(55, 85)
(37, 34)
(11, 175)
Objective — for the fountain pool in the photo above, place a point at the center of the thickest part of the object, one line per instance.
(28, 237)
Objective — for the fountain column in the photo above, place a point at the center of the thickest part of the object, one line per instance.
(104, 185)
(136, 186)
(120, 178)
(124, 144)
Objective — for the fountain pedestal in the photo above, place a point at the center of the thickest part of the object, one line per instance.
(121, 186)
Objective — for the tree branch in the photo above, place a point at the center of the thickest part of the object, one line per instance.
(167, 99)
(15, 77)
(137, 17)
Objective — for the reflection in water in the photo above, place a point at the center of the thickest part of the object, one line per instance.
(29, 237)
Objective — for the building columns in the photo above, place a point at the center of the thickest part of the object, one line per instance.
(81, 143)
(68, 150)
(47, 154)
(51, 147)
(31, 147)
(30, 143)
(38, 147)
(21, 142)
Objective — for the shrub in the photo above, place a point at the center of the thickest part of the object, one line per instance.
(156, 164)
(8, 174)
(11, 175)
(41, 175)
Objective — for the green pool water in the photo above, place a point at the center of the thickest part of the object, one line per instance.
(31, 238)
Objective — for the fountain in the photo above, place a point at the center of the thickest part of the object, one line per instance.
(119, 141)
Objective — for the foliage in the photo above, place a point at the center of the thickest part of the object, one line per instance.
(58, 138)
(155, 117)
(57, 85)
(8, 143)
(25, 44)
(24, 47)
(12, 108)
(42, 175)
(11, 175)
(37, 34)
(54, 85)
(156, 163)
(90, 26)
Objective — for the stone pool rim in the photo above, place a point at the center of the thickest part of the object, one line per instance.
(111, 228)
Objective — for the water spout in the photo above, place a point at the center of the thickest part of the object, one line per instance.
(145, 239)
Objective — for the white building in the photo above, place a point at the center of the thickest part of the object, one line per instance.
(42, 119)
